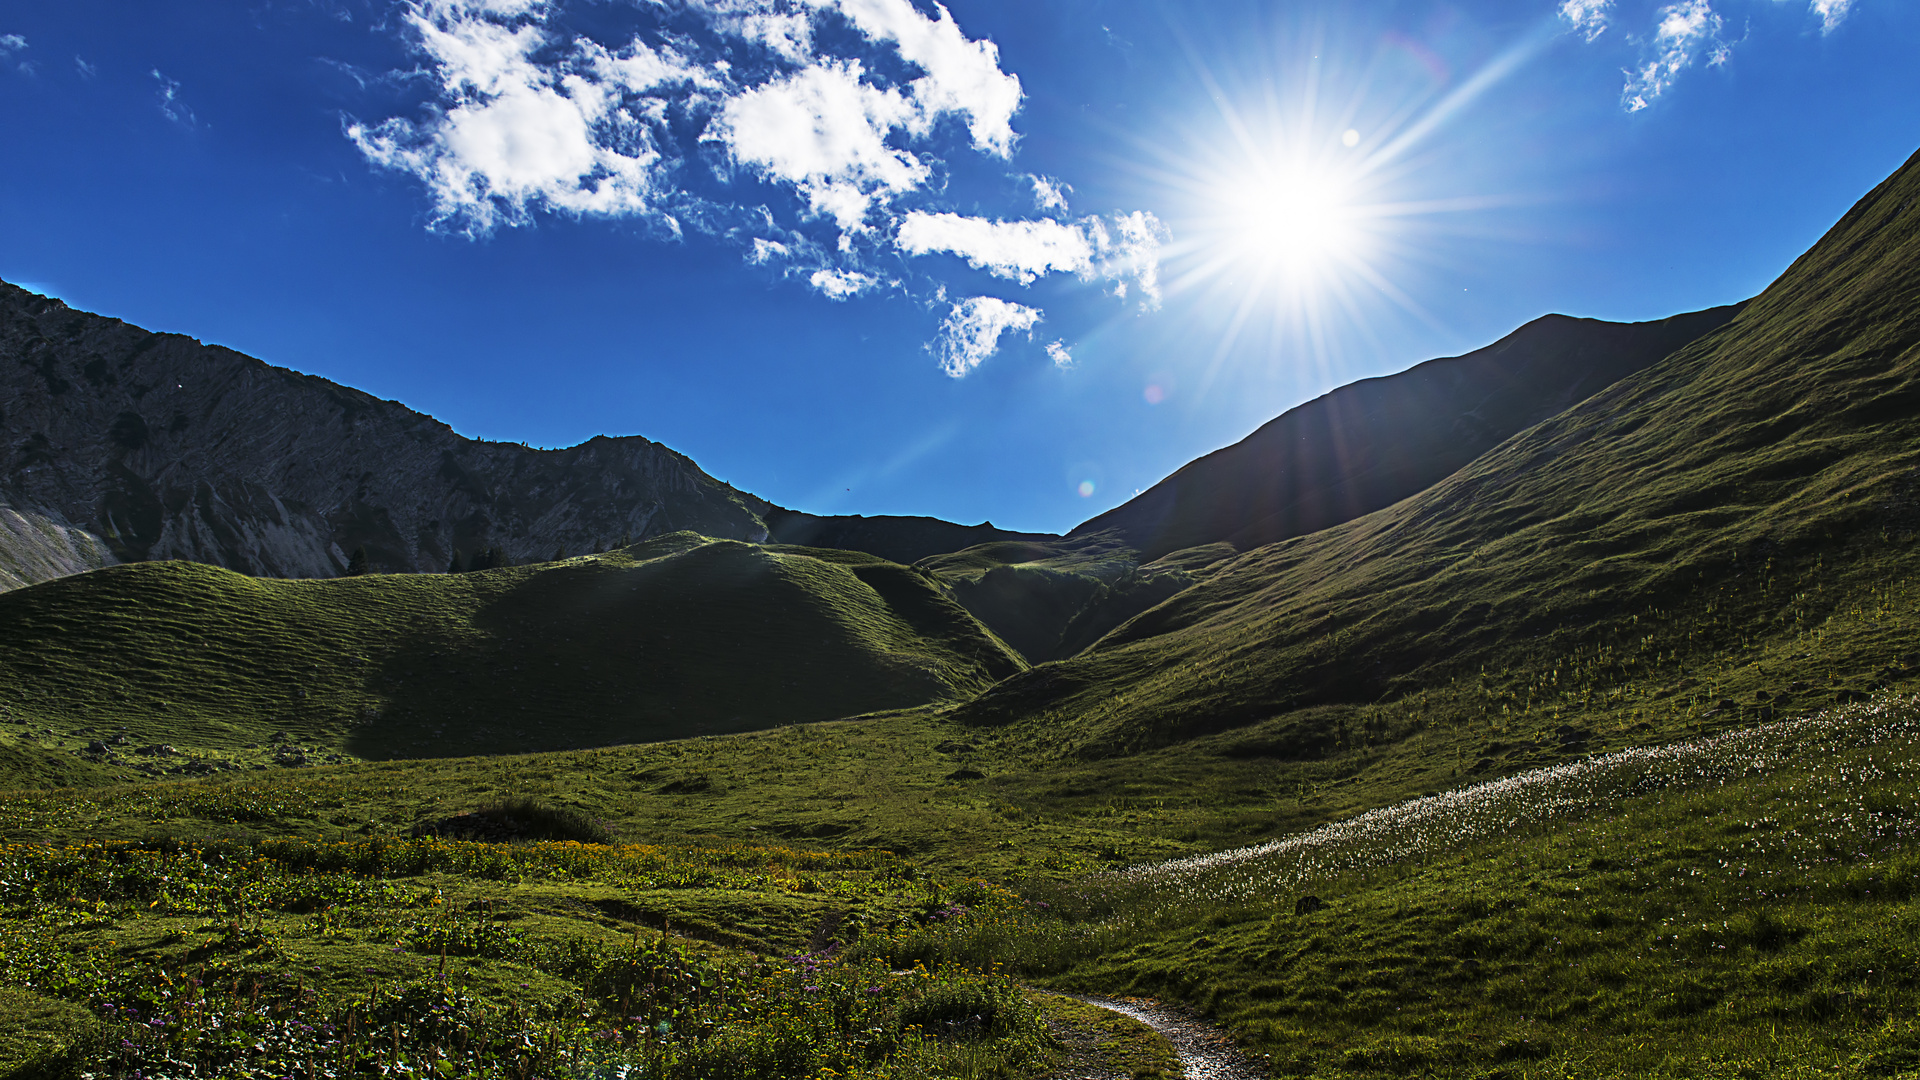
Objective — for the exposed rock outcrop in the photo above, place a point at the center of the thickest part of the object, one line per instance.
(123, 445)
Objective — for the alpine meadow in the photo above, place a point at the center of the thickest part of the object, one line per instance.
(1547, 711)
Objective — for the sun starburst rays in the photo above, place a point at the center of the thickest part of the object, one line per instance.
(1314, 195)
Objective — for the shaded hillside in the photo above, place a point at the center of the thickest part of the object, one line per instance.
(1050, 598)
(901, 539)
(1721, 537)
(121, 445)
(1372, 443)
(679, 636)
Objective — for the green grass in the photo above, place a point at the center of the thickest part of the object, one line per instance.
(1739, 518)
(1739, 909)
(676, 637)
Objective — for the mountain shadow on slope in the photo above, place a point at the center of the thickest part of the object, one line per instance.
(1372, 443)
(681, 636)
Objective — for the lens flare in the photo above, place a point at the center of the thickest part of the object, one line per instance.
(1086, 489)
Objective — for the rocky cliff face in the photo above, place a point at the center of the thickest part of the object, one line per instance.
(123, 445)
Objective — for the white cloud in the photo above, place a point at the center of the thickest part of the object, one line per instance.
(840, 284)
(1586, 17)
(824, 130)
(1133, 257)
(1125, 251)
(786, 35)
(972, 331)
(1020, 250)
(86, 70)
(1058, 352)
(1049, 194)
(1684, 32)
(815, 134)
(568, 135)
(11, 43)
(171, 106)
(1831, 13)
(962, 76)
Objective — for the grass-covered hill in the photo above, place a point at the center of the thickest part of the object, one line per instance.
(900, 538)
(1372, 443)
(1726, 535)
(1052, 597)
(678, 636)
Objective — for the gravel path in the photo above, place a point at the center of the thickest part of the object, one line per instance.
(1206, 1052)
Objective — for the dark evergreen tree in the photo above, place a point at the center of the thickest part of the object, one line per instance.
(558, 555)
(357, 562)
(456, 565)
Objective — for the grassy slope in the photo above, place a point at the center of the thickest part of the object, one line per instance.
(1372, 443)
(1764, 927)
(1052, 598)
(1738, 519)
(679, 636)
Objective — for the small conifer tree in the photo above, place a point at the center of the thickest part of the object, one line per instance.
(456, 565)
(357, 562)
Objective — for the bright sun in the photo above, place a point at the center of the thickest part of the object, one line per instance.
(1297, 221)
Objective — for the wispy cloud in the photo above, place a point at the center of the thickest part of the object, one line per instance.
(12, 45)
(1682, 35)
(1058, 352)
(84, 69)
(815, 134)
(1831, 13)
(972, 330)
(840, 284)
(171, 106)
(1587, 17)
(1050, 194)
(1684, 32)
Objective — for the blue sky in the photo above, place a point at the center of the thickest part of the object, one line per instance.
(1006, 260)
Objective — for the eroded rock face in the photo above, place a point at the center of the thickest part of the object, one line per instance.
(123, 445)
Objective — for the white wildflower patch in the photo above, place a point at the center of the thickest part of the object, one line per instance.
(1577, 790)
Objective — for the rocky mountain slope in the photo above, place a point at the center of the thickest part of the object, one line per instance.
(123, 445)
(1372, 443)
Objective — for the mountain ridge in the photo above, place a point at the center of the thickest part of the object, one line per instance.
(1372, 442)
(162, 447)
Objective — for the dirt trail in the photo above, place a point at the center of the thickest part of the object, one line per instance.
(1206, 1052)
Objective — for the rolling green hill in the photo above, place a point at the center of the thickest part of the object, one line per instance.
(675, 637)
(1372, 443)
(1726, 535)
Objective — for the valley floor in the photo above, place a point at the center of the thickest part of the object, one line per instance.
(1736, 906)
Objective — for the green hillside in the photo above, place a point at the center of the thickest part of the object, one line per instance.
(1052, 598)
(675, 637)
(1725, 536)
(1371, 443)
